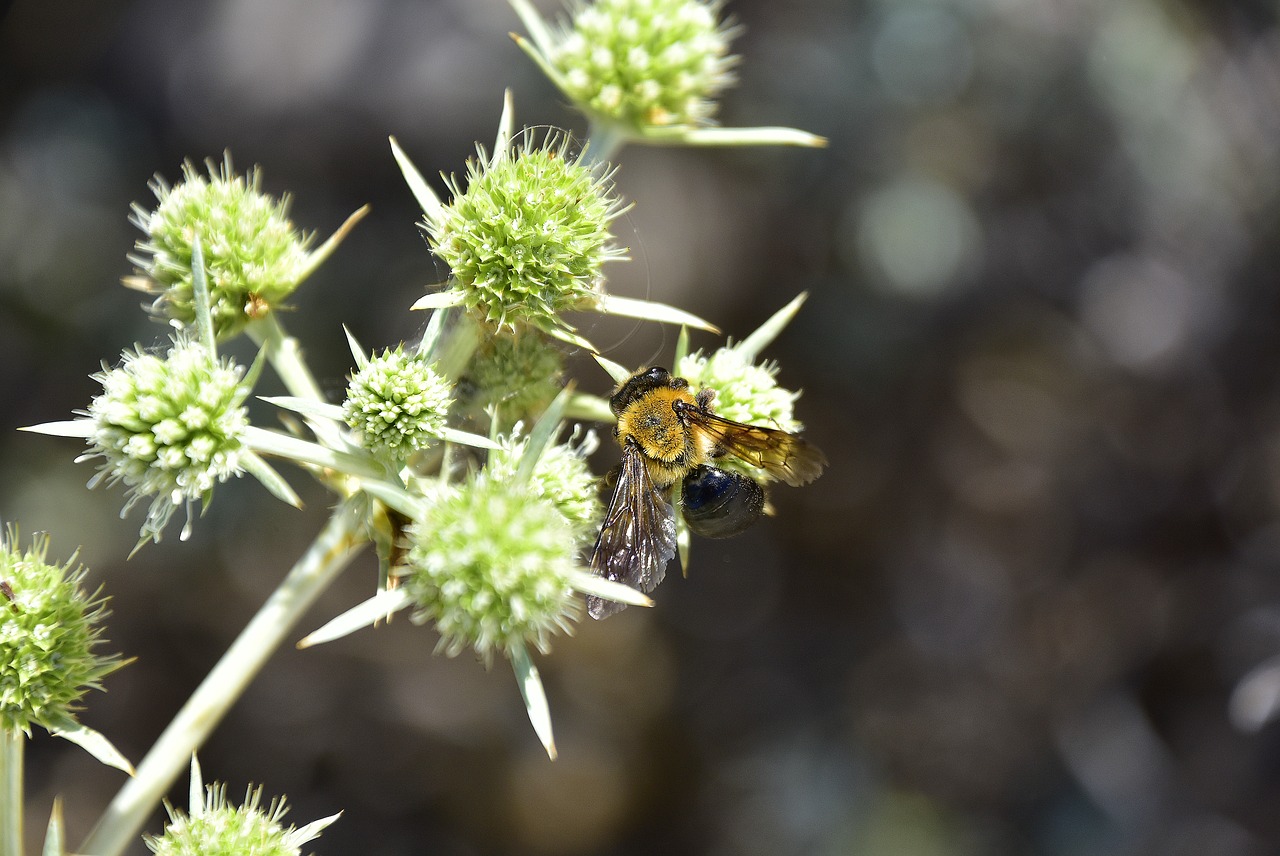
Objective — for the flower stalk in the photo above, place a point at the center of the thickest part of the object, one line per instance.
(12, 746)
(337, 544)
(284, 354)
(604, 140)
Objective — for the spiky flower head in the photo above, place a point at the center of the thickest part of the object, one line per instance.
(517, 372)
(490, 565)
(218, 828)
(745, 392)
(397, 403)
(561, 475)
(527, 238)
(645, 63)
(49, 627)
(169, 428)
(253, 255)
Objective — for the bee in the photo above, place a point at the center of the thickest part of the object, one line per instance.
(670, 436)
(7, 590)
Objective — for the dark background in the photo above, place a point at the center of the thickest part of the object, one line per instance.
(1040, 351)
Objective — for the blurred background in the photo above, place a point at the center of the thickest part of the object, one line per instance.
(1032, 607)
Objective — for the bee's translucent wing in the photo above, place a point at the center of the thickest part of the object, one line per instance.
(638, 536)
(784, 456)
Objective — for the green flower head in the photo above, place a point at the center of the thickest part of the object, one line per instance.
(169, 428)
(526, 241)
(253, 255)
(646, 71)
(528, 237)
(516, 372)
(49, 627)
(397, 403)
(492, 565)
(218, 828)
(561, 475)
(644, 63)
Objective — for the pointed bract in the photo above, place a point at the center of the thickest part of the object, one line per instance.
(93, 742)
(535, 698)
(365, 614)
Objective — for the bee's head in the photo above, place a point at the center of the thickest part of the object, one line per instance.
(643, 381)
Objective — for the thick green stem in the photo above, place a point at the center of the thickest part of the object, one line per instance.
(120, 824)
(12, 744)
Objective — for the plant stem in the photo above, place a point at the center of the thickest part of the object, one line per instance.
(603, 141)
(12, 743)
(285, 356)
(120, 824)
(454, 353)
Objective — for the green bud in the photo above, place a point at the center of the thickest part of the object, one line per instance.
(518, 373)
(491, 565)
(397, 403)
(219, 828)
(561, 475)
(645, 63)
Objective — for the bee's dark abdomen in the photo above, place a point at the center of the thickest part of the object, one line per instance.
(719, 504)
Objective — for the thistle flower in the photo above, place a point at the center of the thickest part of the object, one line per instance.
(170, 428)
(527, 238)
(494, 562)
(216, 827)
(518, 373)
(397, 403)
(254, 256)
(645, 62)
(746, 390)
(645, 70)
(49, 630)
(491, 567)
(560, 475)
